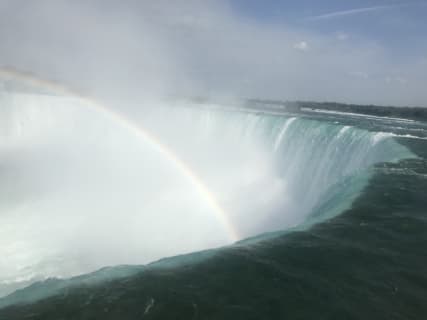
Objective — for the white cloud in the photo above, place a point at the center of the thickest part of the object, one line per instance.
(131, 49)
(396, 79)
(342, 13)
(359, 74)
(342, 36)
(302, 46)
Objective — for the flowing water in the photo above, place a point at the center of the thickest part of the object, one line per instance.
(327, 209)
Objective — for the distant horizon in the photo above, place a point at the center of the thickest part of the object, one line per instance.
(284, 100)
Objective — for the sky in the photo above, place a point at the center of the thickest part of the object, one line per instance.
(359, 51)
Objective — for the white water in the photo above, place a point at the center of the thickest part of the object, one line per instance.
(282, 133)
(78, 191)
(367, 116)
(268, 171)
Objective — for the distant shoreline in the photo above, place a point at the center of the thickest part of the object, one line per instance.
(412, 113)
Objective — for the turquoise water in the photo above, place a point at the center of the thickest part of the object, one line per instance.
(354, 247)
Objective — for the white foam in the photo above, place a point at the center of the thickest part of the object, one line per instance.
(282, 133)
(368, 116)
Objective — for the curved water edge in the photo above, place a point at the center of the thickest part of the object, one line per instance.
(270, 173)
(306, 158)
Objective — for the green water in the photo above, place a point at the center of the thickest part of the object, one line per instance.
(367, 262)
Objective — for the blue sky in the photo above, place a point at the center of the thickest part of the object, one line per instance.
(358, 51)
(400, 26)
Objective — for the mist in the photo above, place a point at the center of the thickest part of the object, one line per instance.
(131, 50)
(81, 190)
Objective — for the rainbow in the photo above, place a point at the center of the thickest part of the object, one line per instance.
(58, 88)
